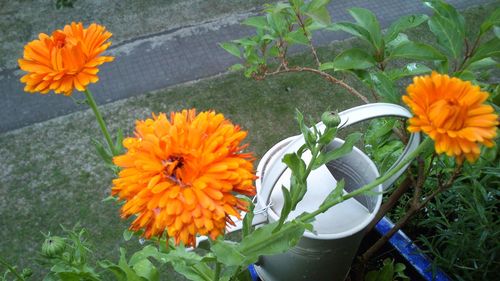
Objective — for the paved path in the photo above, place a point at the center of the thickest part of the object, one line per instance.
(170, 58)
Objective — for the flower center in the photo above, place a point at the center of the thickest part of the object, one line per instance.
(59, 39)
(173, 169)
(448, 114)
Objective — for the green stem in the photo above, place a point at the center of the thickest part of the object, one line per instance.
(367, 187)
(100, 120)
(11, 269)
(217, 271)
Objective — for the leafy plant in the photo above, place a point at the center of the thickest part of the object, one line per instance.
(388, 272)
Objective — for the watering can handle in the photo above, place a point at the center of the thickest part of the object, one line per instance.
(348, 117)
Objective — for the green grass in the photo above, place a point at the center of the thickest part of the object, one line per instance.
(50, 174)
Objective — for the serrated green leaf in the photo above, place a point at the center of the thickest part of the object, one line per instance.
(366, 19)
(402, 24)
(331, 155)
(231, 48)
(353, 59)
(419, 51)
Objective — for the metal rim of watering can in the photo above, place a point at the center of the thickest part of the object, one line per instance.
(270, 168)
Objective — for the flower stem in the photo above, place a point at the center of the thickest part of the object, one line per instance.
(367, 187)
(91, 102)
(217, 271)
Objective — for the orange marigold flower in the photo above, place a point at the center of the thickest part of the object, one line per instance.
(182, 175)
(66, 60)
(453, 113)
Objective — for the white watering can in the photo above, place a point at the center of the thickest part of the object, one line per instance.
(328, 253)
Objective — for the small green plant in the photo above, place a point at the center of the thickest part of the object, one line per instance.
(388, 272)
(11, 272)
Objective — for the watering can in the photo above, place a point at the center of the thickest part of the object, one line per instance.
(327, 253)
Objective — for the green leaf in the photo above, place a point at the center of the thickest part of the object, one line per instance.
(489, 49)
(411, 69)
(353, 59)
(144, 268)
(327, 136)
(228, 253)
(260, 242)
(277, 20)
(127, 234)
(297, 37)
(400, 39)
(317, 4)
(419, 51)
(103, 152)
(287, 206)
(448, 26)
(331, 155)
(295, 163)
(335, 195)
(257, 22)
(385, 87)
(306, 133)
(493, 19)
(320, 15)
(351, 28)
(231, 48)
(402, 24)
(482, 64)
(247, 220)
(326, 66)
(496, 30)
(366, 19)
(236, 67)
(119, 143)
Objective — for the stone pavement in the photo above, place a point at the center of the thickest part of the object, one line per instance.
(172, 57)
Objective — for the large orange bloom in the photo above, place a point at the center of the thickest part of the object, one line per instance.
(66, 60)
(452, 112)
(182, 175)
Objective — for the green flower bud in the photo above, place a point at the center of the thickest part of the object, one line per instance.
(53, 246)
(331, 119)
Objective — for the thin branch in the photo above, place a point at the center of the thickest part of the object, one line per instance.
(306, 34)
(414, 208)
(325, 75)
